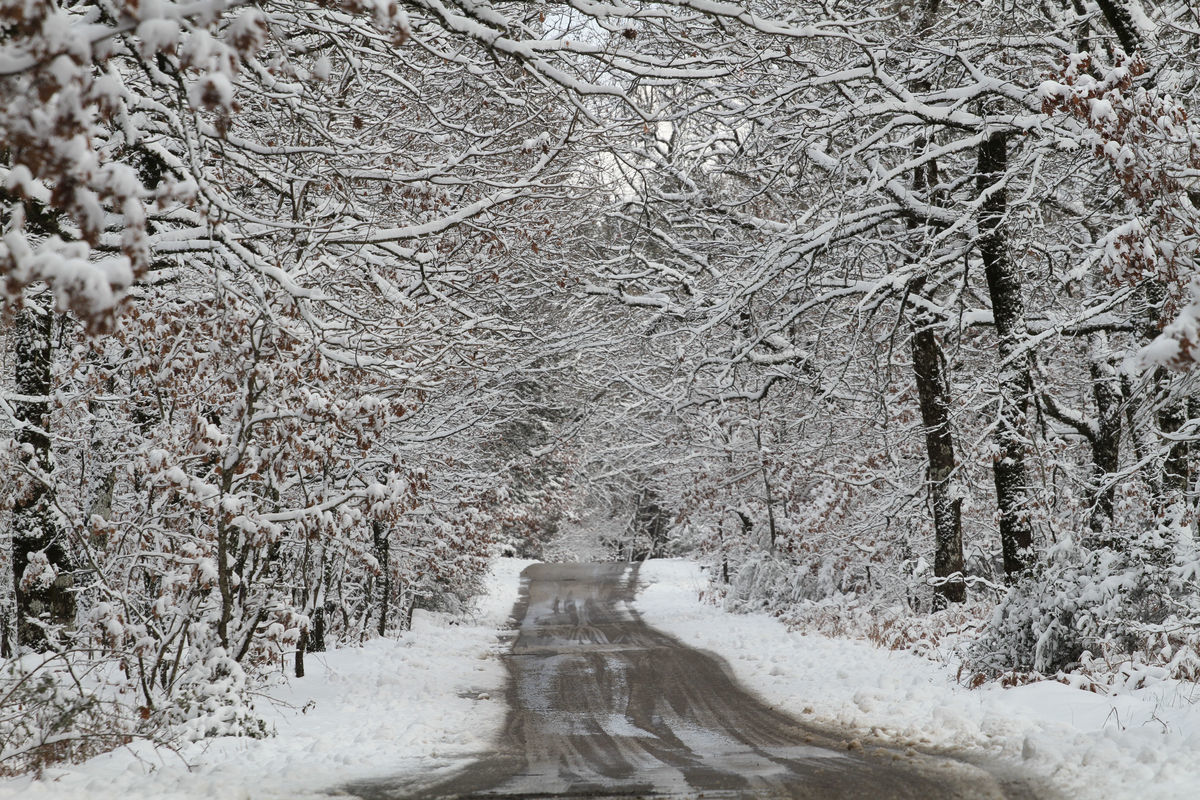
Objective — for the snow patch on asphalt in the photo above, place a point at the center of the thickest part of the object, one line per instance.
(391, 707)
(1139, 744)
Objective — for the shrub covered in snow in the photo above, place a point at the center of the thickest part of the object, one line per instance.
(1084, 607)
(49, 713)
(767, 580)
(215, 701)
(1120, 611)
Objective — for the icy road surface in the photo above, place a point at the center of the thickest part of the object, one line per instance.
(602, 705)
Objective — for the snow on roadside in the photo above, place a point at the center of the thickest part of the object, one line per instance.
(392, 707)
(1139, 744)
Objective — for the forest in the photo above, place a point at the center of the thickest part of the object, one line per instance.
(888, 311)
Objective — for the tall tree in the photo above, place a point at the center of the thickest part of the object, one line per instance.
(40, 553)
(1013, 363)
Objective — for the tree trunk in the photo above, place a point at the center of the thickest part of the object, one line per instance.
(380, 535)
(1083, 37)
(317, 643)
(934, 393)
(224, 585)
(1175, 481)
(1121, 21)
(1176, 467)
(1008, 311)
(408, 614)
(1106, 444)
(36, 538)
(300, 648)
(1171, 482)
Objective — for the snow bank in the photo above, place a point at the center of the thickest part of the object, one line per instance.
(1140, 743)
(391, 707)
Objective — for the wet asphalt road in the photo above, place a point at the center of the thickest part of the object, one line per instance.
(604, 706)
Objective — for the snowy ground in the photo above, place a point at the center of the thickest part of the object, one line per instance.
(1141, 744)
(433, 698)
(392, 707)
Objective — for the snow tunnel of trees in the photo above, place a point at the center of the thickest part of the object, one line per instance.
(889, 311)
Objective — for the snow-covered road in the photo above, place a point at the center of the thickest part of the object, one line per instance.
(434, 702)
(602, 705)
(1138, 744)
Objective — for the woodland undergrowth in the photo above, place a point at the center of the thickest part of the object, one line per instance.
(1094, 619)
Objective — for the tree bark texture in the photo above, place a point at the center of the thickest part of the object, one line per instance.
(1008, 311)
(1116, 13)
(1106, 443)
(934, 393)
(1176, 468)
(1173, 479)
(317, 643)
(380, 535)
(224, 585)
(301, 646)
(35, 533)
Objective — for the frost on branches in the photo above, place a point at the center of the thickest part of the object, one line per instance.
(1152, 147)
(314, 306)
(253, 345)
(790, 245)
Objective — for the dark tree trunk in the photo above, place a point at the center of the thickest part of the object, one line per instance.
(1083, 36)
(768, 492)
(408, 615)
(301, 646)
(1121, 21)
(1176, 466)
(34, 530)
(317, 643)
(769, 498)
(1106, 443)
(1008, 311)
(380, 536)
(224, 585)
(934, 393)
(747, 524)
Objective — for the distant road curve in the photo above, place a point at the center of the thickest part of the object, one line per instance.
(604, 706)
